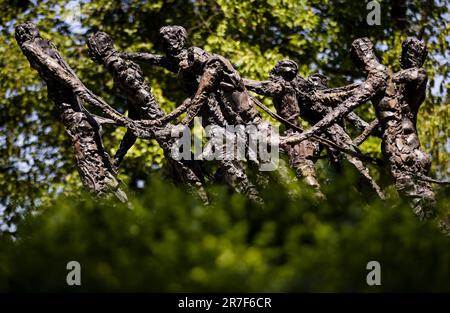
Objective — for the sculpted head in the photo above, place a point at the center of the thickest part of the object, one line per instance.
(100, 46)
(25, 32)
(414, 53)
(174, 39)
(287, 69)
(362, 51)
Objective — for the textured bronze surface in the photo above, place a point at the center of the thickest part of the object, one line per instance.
(217, 93)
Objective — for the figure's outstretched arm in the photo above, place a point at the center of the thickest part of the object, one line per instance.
(183, 107)
(264, 88)
(410, 75)
(103, 120)
(149, 58)
(177, 112)
(332, 97)
(331, 118)
(195, 105)
(360, 97)
(138, 129)
(345, 88)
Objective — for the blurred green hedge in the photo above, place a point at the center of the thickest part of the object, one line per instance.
(167, 241)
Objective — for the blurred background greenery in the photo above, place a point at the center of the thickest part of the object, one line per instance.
(169, 242)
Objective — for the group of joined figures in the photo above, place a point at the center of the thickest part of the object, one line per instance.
(216, 92)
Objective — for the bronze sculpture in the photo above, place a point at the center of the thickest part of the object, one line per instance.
(291, 96)
(279, 88)
(142, 106)
(397, 113)
(201, 74)
(93, 163)
(217, 93)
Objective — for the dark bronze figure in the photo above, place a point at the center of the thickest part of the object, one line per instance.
(142, 105)
(93, 163)
(215, 91)
(397, 112)
(354, 95)
(293, 98)
(279, 88)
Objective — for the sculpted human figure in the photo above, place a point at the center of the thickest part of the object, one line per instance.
(315, 104)
(142, 105)
(129, 79)
(396, 100)
(311, 100)
(279, 88)
(200, 73)
(93, 163)
(215, 92)
(397, 113)
(53, 69)
(363, 53)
